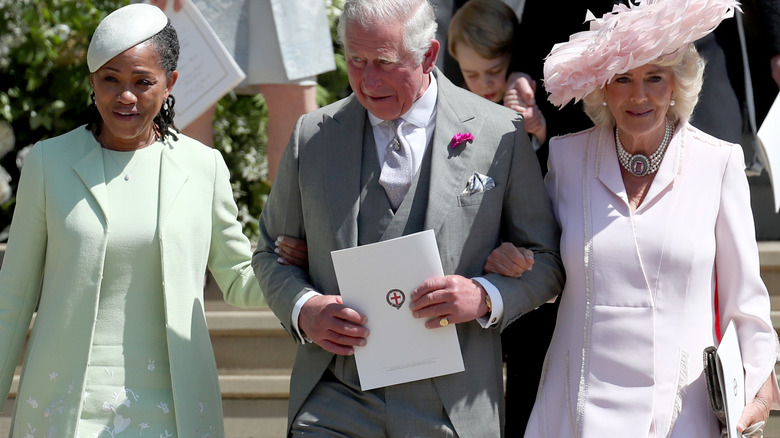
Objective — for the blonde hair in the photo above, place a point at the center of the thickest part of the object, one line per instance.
(688, 76)
(487, 26)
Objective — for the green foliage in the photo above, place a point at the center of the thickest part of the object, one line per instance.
(239, 132)
(44, 92)
(44, 80)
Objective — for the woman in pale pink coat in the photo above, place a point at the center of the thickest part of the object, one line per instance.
(654, 215)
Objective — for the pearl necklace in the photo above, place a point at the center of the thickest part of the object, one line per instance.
(640, 165)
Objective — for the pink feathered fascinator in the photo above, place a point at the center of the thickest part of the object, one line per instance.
(626, 38)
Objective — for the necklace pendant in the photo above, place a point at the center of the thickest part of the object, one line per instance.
(639, 165)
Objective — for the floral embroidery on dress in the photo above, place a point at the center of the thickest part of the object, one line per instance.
(212, 432)
(120, 423)
(56, 407)
(164, 407)
(30, 431)
(119, 406)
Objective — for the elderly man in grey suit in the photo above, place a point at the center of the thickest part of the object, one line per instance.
(389, 161)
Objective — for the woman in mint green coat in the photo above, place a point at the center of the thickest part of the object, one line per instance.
(114, 227)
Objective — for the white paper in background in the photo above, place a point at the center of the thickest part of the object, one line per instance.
(206, 70)
(769, 147)
(733, 378)
(302, 29)
(377, 280)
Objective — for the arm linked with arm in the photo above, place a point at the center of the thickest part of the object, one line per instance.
(282, 214)
(230, 254)
(528, 221)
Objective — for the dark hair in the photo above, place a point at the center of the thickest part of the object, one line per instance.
(166, 44)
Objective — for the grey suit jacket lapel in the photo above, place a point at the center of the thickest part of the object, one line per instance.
(342, 137)
(448, 165)
(344, 133)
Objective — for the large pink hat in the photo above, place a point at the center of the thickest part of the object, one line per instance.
(626, 38)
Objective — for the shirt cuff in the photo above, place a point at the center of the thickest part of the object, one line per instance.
(297, 311)
(496, 302)
(535, 143)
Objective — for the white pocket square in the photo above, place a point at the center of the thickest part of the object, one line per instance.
(478, 183)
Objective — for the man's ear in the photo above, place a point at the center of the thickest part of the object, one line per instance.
(429, 60)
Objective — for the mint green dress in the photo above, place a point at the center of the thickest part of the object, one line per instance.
(128, 380)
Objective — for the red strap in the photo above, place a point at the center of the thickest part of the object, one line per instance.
(717, 310)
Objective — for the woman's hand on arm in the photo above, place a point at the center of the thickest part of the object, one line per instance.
(509, 260)
(292, 251)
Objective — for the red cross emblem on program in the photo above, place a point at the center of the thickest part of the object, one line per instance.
(396, 298)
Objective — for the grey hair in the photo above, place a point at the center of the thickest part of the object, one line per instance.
(417, 16)
(688, 71)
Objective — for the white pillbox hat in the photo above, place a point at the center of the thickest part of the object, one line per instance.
(123, 29)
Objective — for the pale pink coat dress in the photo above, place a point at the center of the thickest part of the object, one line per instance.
(637, 309)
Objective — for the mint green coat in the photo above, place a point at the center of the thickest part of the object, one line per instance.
(58, 241)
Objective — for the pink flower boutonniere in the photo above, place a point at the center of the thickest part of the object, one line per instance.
(460, 138)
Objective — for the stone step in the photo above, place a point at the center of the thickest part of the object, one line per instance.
(769, 256)
(249, 341)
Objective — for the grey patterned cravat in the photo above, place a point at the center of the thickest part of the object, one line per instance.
(396, 176)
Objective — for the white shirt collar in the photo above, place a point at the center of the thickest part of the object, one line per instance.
(423, 109)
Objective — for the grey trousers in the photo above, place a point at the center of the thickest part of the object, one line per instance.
(338, 408)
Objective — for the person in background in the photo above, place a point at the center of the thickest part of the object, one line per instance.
(337, 189)
(286, 78)
(482, 37)
(655, 217)
(115, 225)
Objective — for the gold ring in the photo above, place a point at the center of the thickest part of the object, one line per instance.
(444, 322)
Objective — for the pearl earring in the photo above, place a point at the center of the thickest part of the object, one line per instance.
(603, 103)
(672, 103)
